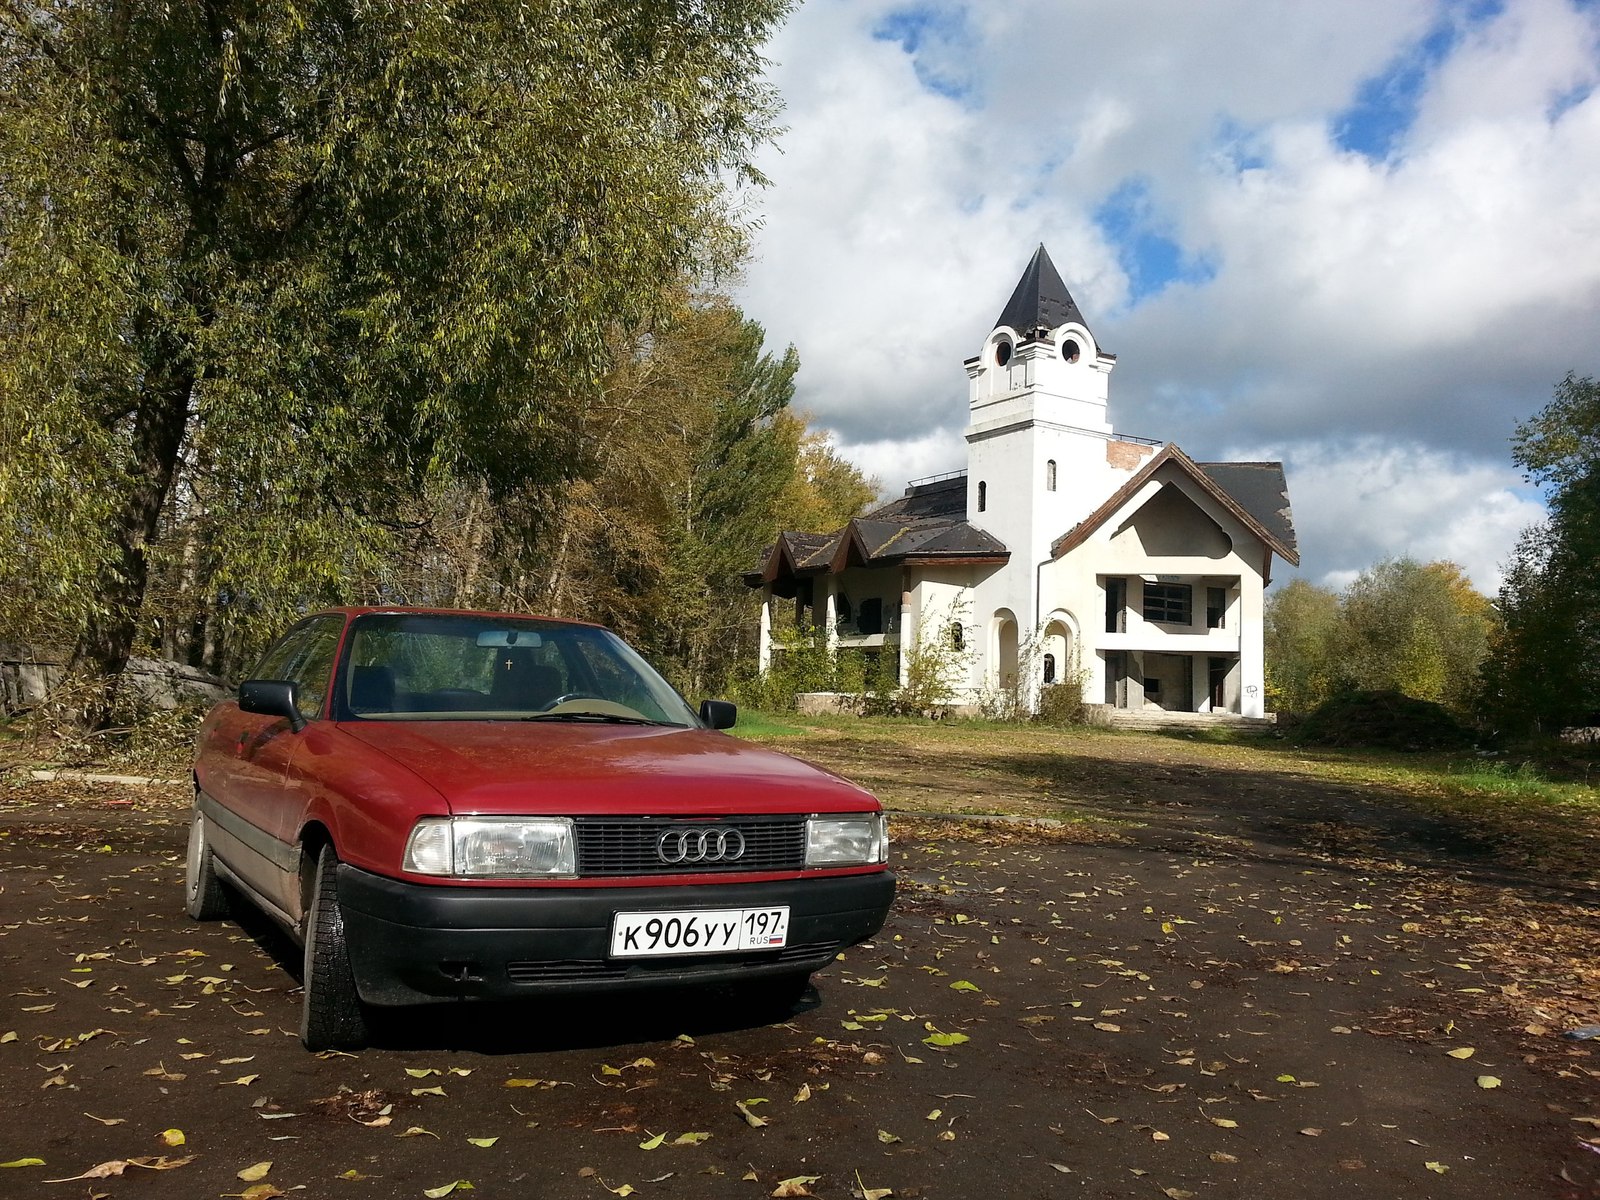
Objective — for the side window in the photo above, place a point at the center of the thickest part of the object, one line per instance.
(274, 664)
(312, 665)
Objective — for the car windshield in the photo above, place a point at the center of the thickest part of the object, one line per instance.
(450, 667)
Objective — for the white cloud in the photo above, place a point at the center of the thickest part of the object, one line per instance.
(1427, 300)
(1367, 499)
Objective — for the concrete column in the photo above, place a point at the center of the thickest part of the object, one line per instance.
(1252, 649)
(830, 617)
(764, 644)
(908, 632)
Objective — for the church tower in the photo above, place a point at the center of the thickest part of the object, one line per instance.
(1038, 432)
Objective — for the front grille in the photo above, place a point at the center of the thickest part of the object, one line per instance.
(595, 970)
(628, 845)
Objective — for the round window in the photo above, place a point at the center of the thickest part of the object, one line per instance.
(1002, 353)
(1070, 351)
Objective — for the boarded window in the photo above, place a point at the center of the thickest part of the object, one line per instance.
(1169, 603)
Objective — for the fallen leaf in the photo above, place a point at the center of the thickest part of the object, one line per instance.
(171, 1137)
(887, 1138)
(1463, 1052)
(107, 1120)
(944, 1039)
(1488, 1081)
(258, 1171)
(421, 1072)
(484, 1142)
(795, 1185)
(242, 1081)
(262, 1191)
(1436, 1168)
(965, 985)
(1311, 1132)
(1224, 1123)
(427, 1091)
(444, 1189)
(653, 1142)
(751, 1119)
(418, 1131)
(1173, 1193)
(690, 1139)
(24, 1162)
(803, 1094)
(1217, 1156)
(1108, 1027)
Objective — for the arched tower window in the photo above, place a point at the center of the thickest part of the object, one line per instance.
(983, 496)
(1050, 475)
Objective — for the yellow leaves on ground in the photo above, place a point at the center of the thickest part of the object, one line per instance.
(483, 1143)
(795, 1186)
(1488, 1081)
(171, 1137)
(24, 1162)
(750, 1118)
(117, 1166)
(1463, 1052)
(445, 1189)
(255, 1172)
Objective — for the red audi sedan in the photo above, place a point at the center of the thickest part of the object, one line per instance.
(445, 805)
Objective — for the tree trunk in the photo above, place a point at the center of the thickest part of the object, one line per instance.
(108, 639)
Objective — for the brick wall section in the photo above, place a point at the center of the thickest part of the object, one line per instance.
(1127, 456)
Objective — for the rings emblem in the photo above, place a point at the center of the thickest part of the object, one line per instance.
(714, 844)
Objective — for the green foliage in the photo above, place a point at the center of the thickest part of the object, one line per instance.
(1386, 719)
(274, 272)
(936, 665)
(1543, 672)
(1412, 628)
(1302, 623)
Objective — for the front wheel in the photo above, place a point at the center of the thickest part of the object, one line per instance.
(205, 897)
(332, 1016)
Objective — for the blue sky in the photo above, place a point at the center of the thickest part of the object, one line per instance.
(1355, 237)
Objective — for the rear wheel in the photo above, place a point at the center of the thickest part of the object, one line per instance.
(205, 895)
(332, 1016)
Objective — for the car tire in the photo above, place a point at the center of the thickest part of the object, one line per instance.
(332, 1016)
(205, 895)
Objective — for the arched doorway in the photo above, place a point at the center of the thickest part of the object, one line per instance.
(1057, 649)
(1005, 648)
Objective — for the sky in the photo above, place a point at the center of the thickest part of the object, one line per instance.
(1361, 238)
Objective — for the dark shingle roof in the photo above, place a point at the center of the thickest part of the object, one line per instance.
(1041, 299)
(1260, 489)
(926, 524)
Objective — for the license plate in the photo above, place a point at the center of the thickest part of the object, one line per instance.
(700, 931)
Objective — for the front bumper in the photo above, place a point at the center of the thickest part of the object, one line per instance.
(445, 943)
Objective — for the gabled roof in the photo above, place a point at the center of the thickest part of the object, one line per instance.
(1260, 503)
(1041, 299)
(923, 527)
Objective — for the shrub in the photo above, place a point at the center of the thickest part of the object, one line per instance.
(1384, 719)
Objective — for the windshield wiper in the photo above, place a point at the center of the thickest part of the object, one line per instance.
(604, 718)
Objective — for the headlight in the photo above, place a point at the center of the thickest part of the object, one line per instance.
(847, 841)
(491, 847)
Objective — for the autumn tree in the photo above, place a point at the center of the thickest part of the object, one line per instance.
(1416, 628)
(1302, 623)
(1544, 669)
(274, 271)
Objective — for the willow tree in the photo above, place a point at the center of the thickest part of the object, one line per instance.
(272, 269)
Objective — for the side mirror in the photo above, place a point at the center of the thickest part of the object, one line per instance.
(272, 698)
(719, 714)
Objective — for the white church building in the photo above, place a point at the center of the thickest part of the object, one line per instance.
(1065, 554)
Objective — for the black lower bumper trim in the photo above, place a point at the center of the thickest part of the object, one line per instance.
(413, 944)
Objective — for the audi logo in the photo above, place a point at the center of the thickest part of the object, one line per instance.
(714, 844)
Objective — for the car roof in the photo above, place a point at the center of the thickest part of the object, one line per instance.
(362, 610)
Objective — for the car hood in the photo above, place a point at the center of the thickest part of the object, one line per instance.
(581, 769)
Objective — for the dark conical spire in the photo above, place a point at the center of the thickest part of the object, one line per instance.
(1041, 300)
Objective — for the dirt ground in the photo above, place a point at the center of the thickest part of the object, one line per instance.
(1245, 985)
